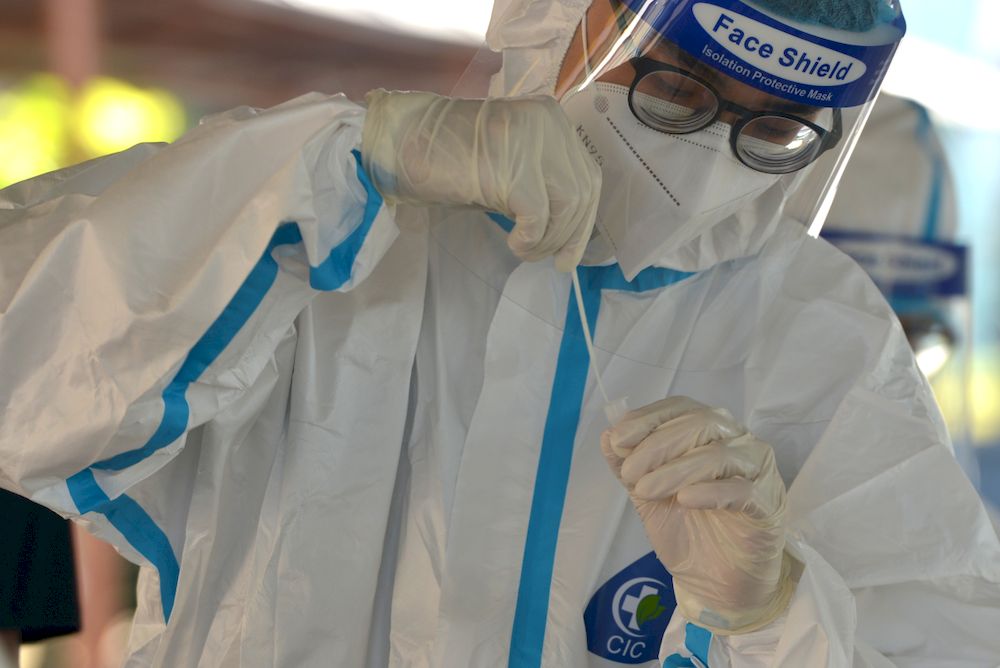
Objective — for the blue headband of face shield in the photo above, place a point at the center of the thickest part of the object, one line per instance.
(815, 64)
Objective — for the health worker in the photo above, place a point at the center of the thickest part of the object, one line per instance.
(291, 366)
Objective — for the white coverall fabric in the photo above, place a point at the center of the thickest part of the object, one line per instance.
(266, 521)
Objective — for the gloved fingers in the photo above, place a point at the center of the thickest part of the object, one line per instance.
(668, 442)
(561, 225)
(522, 240)
(760, 499)
(730, 494)
(572, 183)
(549, 177)
(640, 423)
(613, 460)
(582, 226)
(706, 425)
(580, 188)
(566, 217)
(569, 256)
(529, 206)
(717, 461)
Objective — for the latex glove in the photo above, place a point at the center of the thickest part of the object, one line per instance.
(713, 504)
(516, 156)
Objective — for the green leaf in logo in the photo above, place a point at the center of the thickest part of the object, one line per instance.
(649, 609)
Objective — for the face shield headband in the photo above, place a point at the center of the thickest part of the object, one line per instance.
(803, 63)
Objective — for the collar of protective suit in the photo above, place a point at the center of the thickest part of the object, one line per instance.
(533, 36)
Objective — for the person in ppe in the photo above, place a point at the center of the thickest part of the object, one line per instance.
(745, 337)
(290, 366)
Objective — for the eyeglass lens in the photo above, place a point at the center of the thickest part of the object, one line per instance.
(676, 103)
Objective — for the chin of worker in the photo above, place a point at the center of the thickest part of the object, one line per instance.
(290, 366)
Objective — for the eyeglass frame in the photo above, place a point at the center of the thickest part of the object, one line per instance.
(645, 66)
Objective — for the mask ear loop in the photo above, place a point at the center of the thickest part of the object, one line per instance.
(585, 45)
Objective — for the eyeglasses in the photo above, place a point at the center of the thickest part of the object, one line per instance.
(675, 101)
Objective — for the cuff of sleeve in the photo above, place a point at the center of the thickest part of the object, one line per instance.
(816, 629)
(390, 120)
(741, 621)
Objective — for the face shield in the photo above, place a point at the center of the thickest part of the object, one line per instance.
(703, 114)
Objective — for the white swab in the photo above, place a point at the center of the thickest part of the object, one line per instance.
(613, 410)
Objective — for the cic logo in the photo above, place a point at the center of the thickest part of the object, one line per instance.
(626, 617)
(637, 602)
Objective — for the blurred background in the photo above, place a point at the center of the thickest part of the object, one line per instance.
(81, 78)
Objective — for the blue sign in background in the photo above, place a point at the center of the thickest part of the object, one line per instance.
(906, 252)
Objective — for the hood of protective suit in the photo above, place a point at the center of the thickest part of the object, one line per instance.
(913, 195)
(533, 36)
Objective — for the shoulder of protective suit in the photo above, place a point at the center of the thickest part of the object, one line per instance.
(814, 270)
(338, 103)
(88, 178)
(823, 328)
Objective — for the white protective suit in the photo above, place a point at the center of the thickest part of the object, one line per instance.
(896, 213)
(292, 406)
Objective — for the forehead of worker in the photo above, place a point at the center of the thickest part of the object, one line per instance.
(731, 89)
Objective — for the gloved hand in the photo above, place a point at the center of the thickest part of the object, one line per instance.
(516, 156)
(713, 504)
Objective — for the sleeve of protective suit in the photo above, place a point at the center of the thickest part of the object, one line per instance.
(899, 563)
(141, 293)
